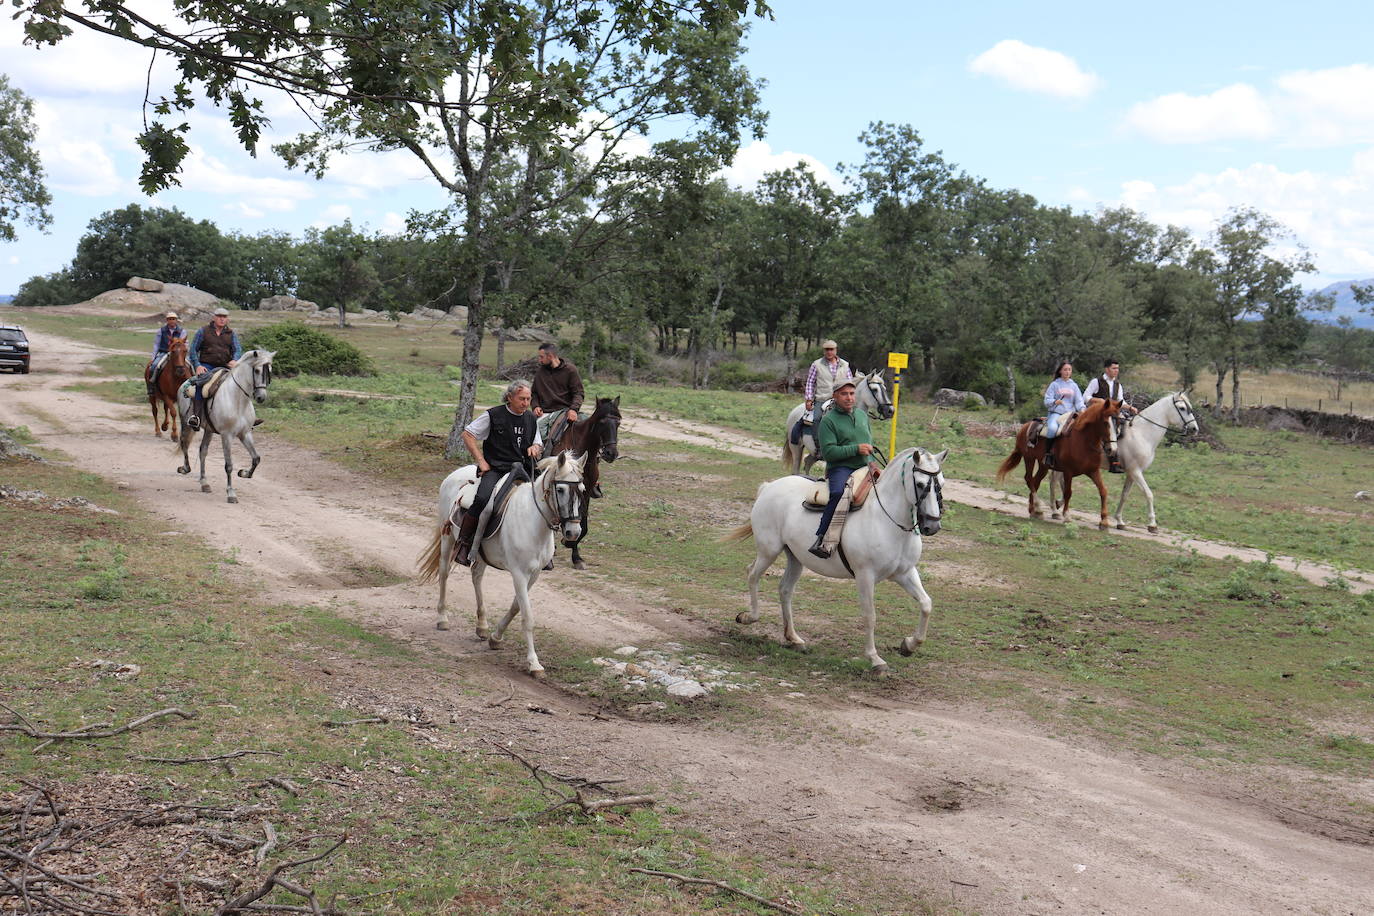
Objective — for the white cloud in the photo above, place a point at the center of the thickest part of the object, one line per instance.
(1329, 106)
(1235, 112)
(1033, 69)
(752, 162)
(333, 215)
(393, 223)
(14, 259)
(1331, 214)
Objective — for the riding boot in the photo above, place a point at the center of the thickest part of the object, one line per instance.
(257, 422)
(595, 491)
(193, 418)
(819, 548)
(1049, 453)
(465, 533)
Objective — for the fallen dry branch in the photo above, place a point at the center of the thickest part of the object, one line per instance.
(24, 727)
(247, 902)
(233, 755)
(579, 798)
(369, 720)
(278, 782)
(269, 843)
(762, 901)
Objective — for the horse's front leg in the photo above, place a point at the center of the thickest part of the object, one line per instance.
(153, 402)
(577, 544)
(247, 440)
(1102, 498)
(483, 631)
(1068, 494)
(762, 561)
(229, 493)
(864, 580)
(170, 406)
(911, 581)
(1139, 477)
(204, 450)
(1033, 481)
(1125, 489)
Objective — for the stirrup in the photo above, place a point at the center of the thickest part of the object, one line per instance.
(461, 557)
(193, 423)
(819, 549)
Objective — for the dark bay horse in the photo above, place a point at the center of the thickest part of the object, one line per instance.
(1076, 452)
(597, 437)
(174, 372)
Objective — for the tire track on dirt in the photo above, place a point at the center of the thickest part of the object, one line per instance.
(918, 795)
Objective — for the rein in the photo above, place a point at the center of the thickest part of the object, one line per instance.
(551, 501)
(917, 495)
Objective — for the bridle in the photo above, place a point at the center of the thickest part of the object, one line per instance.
(557, 493)
(919, 492)
(1183, 418)
(611, 439)
(263, 372)
(878, 392)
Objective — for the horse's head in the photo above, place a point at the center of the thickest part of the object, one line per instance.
(872, 396)
(565, 473)
(261, 360)
(927, 485)
(607, 420)
(1186, 418)
(1096, 421)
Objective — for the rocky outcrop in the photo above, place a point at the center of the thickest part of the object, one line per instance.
(281, 303)
(144, 285)
(952, 397)
(186, 301)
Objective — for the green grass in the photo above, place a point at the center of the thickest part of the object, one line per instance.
(429, 826)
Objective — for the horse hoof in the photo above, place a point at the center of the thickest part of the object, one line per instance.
(493, 643)
(1102, 526)
(743, 617)
(205, 488)
(1120, 527)
(233, 499)
(578, 564)
(441, 625)
(183, 470)
(241, 473)
(905, 650)
(797, 646)
(537, 675)
(881, 671)
(1153, 529)
(484, 634)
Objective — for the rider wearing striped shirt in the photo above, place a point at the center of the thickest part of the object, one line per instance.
(823, 377)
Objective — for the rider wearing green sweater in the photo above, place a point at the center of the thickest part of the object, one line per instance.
(846, 444)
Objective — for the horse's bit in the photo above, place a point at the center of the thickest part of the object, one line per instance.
(919, 493)
(555, 492)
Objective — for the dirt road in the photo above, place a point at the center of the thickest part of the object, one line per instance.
(981, 808)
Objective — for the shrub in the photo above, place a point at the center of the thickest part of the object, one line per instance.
(304, 349)
(735, 374)
(56, 288)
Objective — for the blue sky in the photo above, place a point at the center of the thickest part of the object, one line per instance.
(1178, 110)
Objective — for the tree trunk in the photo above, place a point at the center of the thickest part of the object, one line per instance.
(1221, 380)
(1235, 392)
(1011, 388)
(472, 354)
(500, 347)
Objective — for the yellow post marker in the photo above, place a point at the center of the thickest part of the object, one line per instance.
(896, 362)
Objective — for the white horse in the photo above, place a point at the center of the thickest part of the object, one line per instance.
(522, 544)
(231, 415)
(1136, 448)
(870, 395)
(882, 541)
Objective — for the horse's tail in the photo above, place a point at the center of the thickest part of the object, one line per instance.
(787, 450)
(1006, 467)
(428, 560)
(739, 534)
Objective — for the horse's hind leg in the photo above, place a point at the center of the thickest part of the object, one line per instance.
(577, 544)
(157, 430)
(445, 562)
(786, 587)
(522, 600)
(762, 561)
(228, 470)
(911, 581)
(247, 440)
(864, 580)
(1032, 485)
(1121, 503)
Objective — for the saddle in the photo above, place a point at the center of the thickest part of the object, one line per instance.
(799, 429)
(495, 512)
(556, 430)
(856, 491)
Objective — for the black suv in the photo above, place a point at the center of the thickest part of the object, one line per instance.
(14, 348)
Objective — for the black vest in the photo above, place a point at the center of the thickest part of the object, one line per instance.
(1107, 389)
(510, 437)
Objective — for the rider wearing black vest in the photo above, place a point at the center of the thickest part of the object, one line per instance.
(499, 439)
(1106, 385)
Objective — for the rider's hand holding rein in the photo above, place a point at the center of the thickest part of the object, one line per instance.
(534, 450)
(866, 449)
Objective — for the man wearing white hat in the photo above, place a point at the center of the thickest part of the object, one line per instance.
(162, 344)
(823, 376)
(215, 346)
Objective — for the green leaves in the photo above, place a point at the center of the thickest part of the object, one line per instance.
(164, 149)
(23, 196)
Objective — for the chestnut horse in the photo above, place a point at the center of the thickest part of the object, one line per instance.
(175, 371)
(1076, 452)
(597, 437)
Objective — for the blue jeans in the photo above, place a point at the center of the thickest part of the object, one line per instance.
(836, 478)
(1052, 424)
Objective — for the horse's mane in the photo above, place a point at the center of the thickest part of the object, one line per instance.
(1094, 410)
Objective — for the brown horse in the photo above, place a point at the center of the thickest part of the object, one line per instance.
(597, 436)
(176, 371)
(1076, 451)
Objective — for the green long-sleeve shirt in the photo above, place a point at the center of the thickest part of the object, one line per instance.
(840, 436)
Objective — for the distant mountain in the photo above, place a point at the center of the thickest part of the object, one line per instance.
(1345, 305)
(6, 298)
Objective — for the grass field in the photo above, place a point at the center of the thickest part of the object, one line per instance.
(1277, 387)
(436, 821)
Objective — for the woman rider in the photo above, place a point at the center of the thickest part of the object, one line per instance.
(1062, 398)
